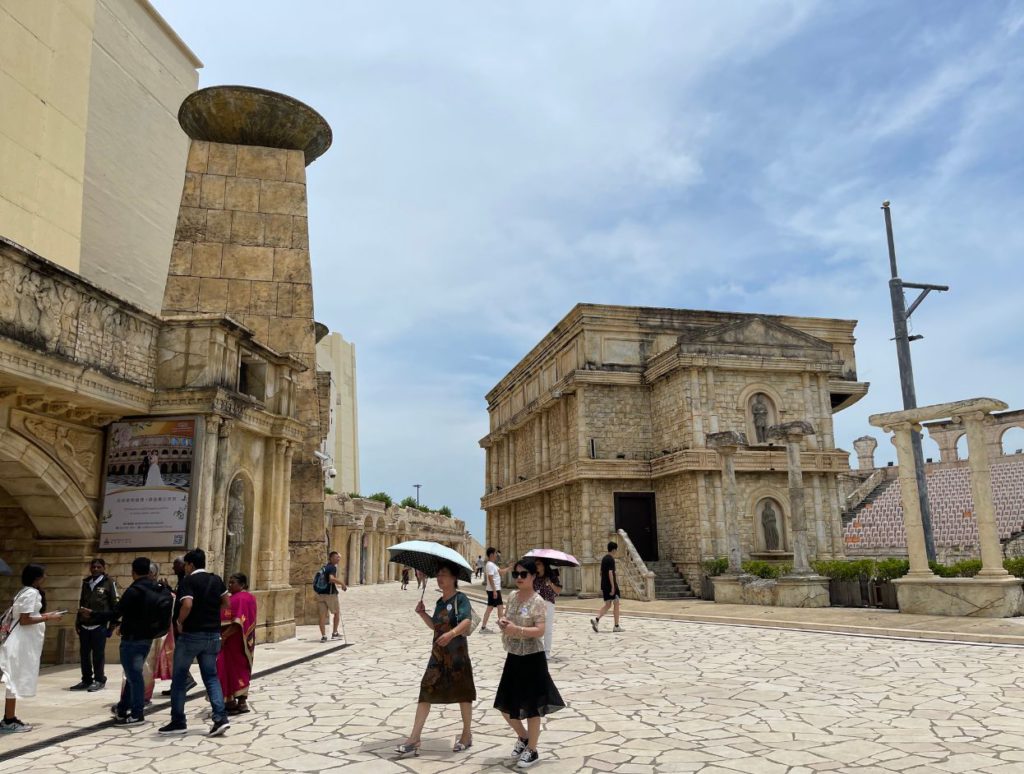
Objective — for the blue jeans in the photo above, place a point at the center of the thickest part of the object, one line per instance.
(189, 647)
(133, 657)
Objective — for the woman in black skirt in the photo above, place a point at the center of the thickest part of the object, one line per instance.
(525, 691)
(449, 675)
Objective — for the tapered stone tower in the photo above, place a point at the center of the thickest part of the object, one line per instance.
(241, 250)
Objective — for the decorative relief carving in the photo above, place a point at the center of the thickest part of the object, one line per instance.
(76, 449)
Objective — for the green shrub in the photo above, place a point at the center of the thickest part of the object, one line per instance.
(407, 502)
(355, 495)
(715, 567)
(845, 570)
(328, 490)
(444, 510)
(1015, 566)
(382, 497)
(890, 569)
(767, 569)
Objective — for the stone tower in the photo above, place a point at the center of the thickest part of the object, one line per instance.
(241, 250)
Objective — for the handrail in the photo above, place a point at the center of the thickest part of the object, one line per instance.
(856, 497)
(640, 580)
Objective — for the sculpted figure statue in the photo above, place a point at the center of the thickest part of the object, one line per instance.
(760, 411)
(236, 527)
(770, 525)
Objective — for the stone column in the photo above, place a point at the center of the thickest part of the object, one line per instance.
(865, 447)
(981, 491)
(916, 553)
(695, 408)
(217, 517)
(284, 561)
(201, 532)
(545, 457)
(793, 434)
(355, 541)
(727, 444)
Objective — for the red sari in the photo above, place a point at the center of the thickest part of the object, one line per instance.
(238, 633)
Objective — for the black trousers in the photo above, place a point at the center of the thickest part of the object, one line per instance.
(93, 646)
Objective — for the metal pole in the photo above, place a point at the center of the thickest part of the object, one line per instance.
(417, 486)
(899, 322)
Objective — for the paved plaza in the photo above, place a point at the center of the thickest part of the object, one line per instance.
(667, 696)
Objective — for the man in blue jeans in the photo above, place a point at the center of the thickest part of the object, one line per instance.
(201, 596)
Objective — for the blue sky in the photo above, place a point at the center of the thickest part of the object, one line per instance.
(494, 164)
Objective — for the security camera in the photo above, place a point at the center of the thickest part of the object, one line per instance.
(332, 472)
(321, 456)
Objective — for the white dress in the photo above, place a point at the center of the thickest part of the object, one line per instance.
(153, 477)
(20, 655)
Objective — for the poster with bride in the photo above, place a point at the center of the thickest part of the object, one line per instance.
(149, 478)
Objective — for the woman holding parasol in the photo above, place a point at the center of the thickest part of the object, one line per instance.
(448, 678)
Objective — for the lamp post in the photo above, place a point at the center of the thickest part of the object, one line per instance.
(417, 487)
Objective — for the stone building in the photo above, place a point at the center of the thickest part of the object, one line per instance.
(337, 358)
(362, 529)
(603, 426)
(156, 319)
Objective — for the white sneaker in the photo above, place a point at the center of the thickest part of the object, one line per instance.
(527, 759)
(618, 629)
(517, 751)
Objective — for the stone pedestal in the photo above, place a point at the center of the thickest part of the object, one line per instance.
(802, 591)
(275, 609)
(974, 597)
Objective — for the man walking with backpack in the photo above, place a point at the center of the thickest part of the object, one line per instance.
(144, 611)
(201, 597)
(325, 584)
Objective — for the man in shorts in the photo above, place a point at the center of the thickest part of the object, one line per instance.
(609, 588)
(492, 582)
(328, 602)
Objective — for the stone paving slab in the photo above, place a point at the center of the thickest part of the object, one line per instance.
(664, 696)
(847, 620)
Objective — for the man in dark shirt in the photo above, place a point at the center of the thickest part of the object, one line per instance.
(609, 588)
(328, 602)
(99, 596)
(201, 596)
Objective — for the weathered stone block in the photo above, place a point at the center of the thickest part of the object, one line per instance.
(218, 225)
(242, 193)
(974, 597)
(248, 262)
(277, 230)
(259, 325)
(181, 294)
(221, 160)
(300, 232)
(239, 294)
(181, 259)
(302, 301)
(212, 193)
(213, 295)
(291, 335)
(247, 228)
(198, 156)
(291, 265)
(191, 224)
(284, 300)
(191, 189)
(206, 259)
(296, 167)
(282, 198)
(264, 298)
(264, 163)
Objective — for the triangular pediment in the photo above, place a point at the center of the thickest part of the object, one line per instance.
(755, 336)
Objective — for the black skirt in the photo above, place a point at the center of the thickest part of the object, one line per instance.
(526, 689)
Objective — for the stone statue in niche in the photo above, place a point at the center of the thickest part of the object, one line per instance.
(759, 408)
(770, 527)
(236, 527)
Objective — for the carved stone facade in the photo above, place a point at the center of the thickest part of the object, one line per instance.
(603, 426)
(238, 353)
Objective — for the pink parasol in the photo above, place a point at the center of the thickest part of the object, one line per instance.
(554, 558)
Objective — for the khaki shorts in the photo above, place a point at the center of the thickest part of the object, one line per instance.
(328, 601)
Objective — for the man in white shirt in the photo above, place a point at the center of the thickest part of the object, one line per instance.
(492, 582)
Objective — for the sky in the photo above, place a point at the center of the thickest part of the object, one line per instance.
(496, 163)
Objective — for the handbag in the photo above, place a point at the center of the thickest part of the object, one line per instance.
(8, 621)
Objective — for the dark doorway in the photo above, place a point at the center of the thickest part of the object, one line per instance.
(634, 513)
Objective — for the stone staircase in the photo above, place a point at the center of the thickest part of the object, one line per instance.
(851, 513)
(669, 584)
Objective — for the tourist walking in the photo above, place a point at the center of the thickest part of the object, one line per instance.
(201, 596)
(238, 646)
(405, 578)
(609, 588)
(325, 584)
(548, 585)
(492, 582)
(99, 594)
(525, 691)
(165, 657)
(144, 613)
(449, 675)
(421, 581)
(479, 566)
(20, 654)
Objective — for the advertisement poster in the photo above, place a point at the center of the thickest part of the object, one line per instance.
(149, 478)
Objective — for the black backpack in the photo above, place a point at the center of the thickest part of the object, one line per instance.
(159, 608)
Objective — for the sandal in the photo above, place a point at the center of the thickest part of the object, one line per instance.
(406, 748)
(460, 747)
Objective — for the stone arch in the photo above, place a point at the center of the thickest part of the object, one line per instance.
(1011, 440)
(755, 508)
(745, 404)
(962, 452)
(52, 500)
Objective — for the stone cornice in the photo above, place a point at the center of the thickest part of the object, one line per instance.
(684, 461)
(673, 360)
(249, 414)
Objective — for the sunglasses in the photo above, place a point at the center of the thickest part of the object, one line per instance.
(522, 574)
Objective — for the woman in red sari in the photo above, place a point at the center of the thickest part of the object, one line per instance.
(238, 642)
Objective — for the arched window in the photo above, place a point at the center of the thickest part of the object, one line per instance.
(961, 447)
(1013, 440)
